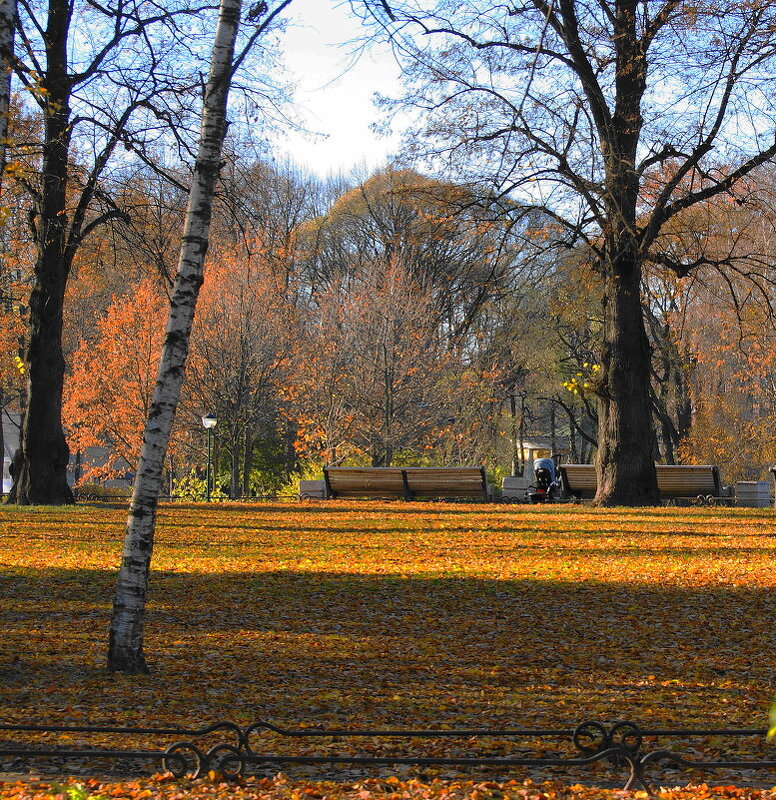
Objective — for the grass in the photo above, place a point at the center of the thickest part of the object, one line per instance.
(411, 615)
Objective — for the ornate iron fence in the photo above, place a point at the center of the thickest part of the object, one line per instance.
(631, 751)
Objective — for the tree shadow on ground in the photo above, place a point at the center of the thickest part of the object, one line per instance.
(343, 650)
(300, 647)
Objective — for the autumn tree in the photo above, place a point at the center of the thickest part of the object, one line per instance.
(108, 393)
(317, 392)
(262, 206)
(578, 108)
(256, 211)
(241, 343)
(120, 90)
(733, 389)
(370, 381)
(432, 228)
(664, 299)
(398, 363)
(403, 272)
(726, 329)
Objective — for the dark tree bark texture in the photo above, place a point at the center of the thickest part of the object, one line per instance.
(625, 459)
(626, 440)
(40, 464)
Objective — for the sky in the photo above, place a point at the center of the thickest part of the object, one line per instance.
(334, 91)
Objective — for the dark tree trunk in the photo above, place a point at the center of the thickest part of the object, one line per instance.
(382, 455)
(573, 453)
(683, 405)
(513, 434)
(553, 430)
(247, 462)
(43, 456)
(521, 436)
(41, 461)
(234, 464)
(667, 441)
(627, 446)
(626, 439)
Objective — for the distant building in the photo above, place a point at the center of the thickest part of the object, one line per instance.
(541, 447)
(11, 427)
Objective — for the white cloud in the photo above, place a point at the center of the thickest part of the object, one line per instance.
(335, 90)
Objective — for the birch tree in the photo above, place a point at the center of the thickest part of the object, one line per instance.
(125, 648)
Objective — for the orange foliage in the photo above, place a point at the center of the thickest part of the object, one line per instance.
(109, 390)
(241, 339)
(734, 392)
(243, 334)
(371, 379)
(281, 787)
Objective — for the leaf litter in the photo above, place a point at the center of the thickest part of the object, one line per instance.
(365, 614)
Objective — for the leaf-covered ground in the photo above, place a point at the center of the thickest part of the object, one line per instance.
(396, 615)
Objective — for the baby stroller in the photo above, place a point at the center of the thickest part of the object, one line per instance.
(546, 487)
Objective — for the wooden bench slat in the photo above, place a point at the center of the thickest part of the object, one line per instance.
(673, 480)
(421, 482)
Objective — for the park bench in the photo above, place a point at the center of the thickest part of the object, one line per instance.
(407, 483)
(673, 480)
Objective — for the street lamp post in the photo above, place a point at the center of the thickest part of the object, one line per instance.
(209, 422)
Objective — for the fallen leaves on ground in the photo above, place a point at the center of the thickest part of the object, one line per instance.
(280, 788)
(364, 614)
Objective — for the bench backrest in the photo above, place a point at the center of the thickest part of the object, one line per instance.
(688, 480)
(406, 482)
(579, 480)
(673, 480)
(364, 482)
(447, 481)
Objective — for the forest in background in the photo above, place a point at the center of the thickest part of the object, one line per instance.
(576, 244)
(387, 319)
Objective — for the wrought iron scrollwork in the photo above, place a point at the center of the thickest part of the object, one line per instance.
(227, 760)
(183, 758)
(620, 744)
(593, 737)
(627, 735)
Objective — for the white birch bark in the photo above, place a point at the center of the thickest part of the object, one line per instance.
(125, 649)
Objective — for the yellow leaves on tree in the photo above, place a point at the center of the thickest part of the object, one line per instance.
(12, 366)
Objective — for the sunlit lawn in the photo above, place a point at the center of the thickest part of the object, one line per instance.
(408, 615)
